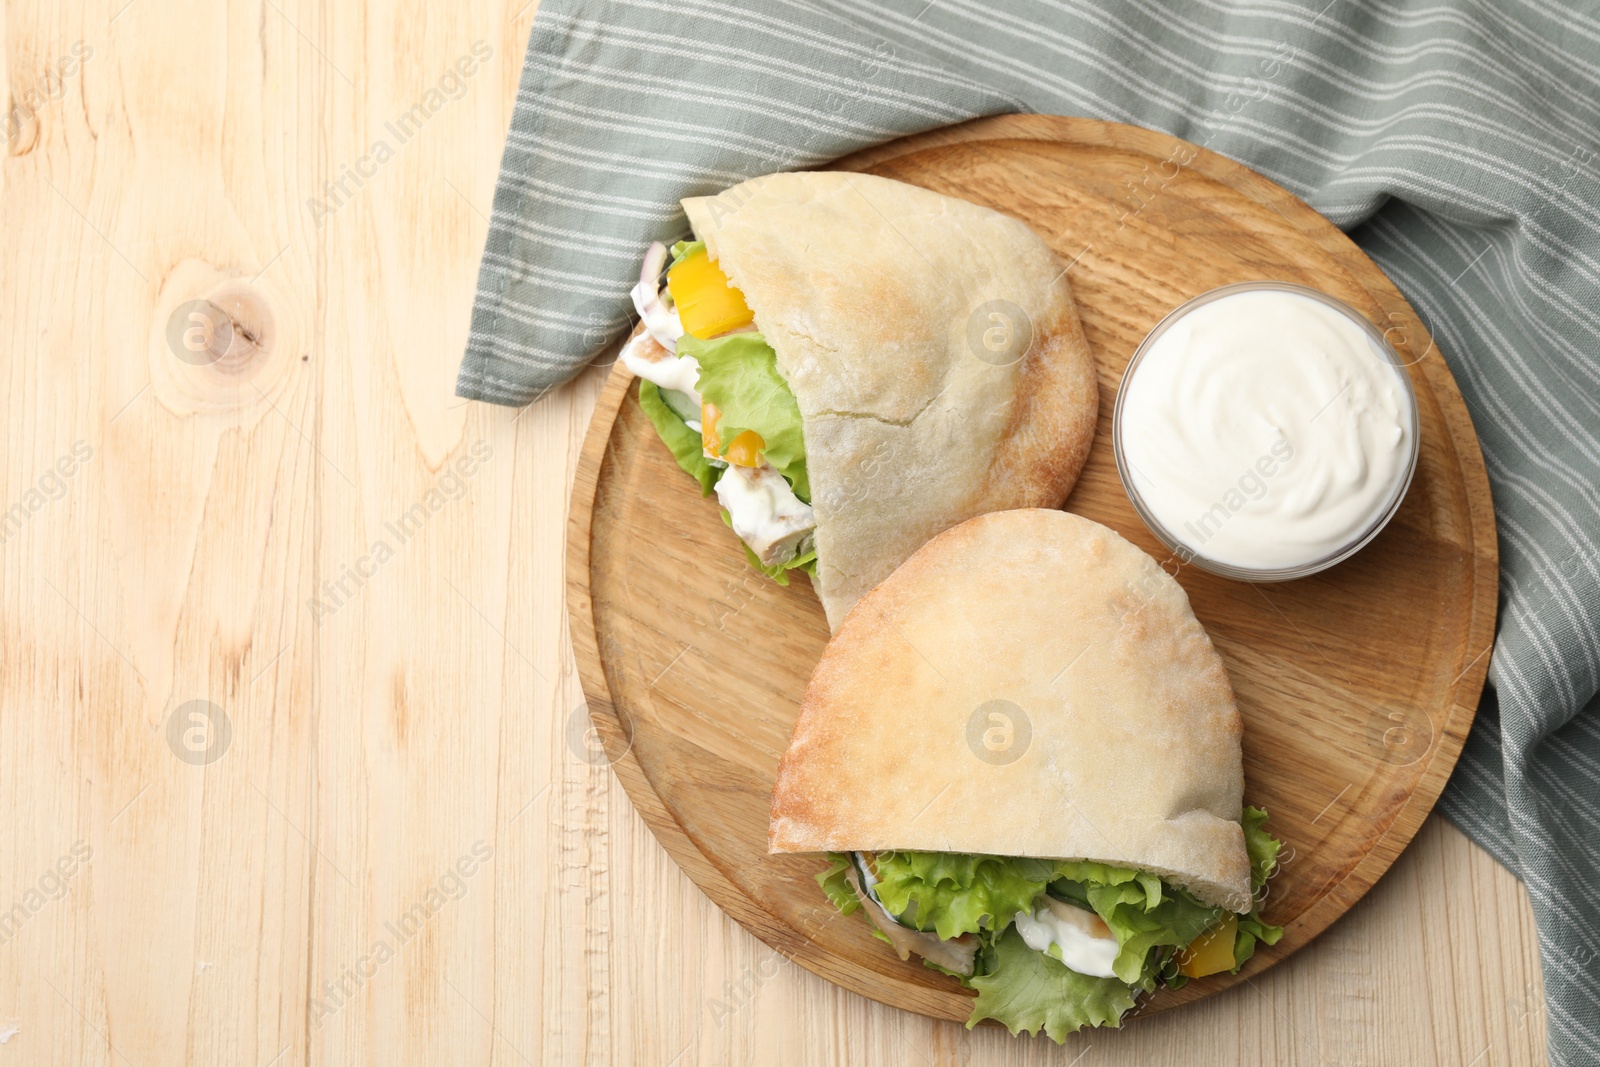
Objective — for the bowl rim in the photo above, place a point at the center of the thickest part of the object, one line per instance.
(1188, 553)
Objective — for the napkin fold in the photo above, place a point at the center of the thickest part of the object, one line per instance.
(1455, 141)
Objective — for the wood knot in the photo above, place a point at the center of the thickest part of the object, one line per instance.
(20, 128)
(219, 345)
(229, 332)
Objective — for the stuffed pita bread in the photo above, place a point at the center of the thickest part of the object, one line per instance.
(854, 364)
(1022, 752)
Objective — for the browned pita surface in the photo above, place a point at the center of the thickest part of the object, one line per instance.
(871, 292)
(1130, 754)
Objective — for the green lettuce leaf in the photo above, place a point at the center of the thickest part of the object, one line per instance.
(683, 442)
(1251, 930)
(682, 250)
(739, 375)
(1166, 971)
(954, 893)
(1027, 990)
(835, 883)
(1088, 872)
(1263, 849)
(957, 893)
(1141, 910)
(1177, 919)
(778, 572)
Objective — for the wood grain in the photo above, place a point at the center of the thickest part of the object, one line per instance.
(1357, 685)
(436, 706)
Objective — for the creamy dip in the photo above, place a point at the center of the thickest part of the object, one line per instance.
(1266, 430)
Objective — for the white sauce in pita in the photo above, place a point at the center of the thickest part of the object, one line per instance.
(645, 357)
(653, 303)
(762, 507)
(1081, 938)
(1268, 430)
(764, 511)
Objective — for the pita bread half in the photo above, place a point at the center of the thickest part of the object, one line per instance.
(1117, 736)
(920, 407)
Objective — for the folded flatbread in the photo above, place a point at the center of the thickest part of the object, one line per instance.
(933, 349)
(1117, 736)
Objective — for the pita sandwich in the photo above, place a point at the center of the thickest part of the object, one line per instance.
(1022, 753)
(853, 365)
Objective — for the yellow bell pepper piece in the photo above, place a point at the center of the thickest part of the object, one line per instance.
(745, 449)
(707, 302)
(1212, 951)
(709, 441)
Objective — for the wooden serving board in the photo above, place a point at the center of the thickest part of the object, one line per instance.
(1357, 685)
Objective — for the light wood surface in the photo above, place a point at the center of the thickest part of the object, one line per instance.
(380, 731)
(1357, 685)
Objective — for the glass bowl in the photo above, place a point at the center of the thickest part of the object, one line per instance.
(1190, 553)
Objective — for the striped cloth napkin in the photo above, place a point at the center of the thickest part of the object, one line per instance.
(1455, 141)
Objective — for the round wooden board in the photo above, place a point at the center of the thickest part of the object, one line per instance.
(1357, 685)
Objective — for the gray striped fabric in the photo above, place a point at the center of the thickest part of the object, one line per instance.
(1455, 140)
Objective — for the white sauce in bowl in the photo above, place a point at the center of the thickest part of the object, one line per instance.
(1266, 430)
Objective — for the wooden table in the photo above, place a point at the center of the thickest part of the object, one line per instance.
(291, 756)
